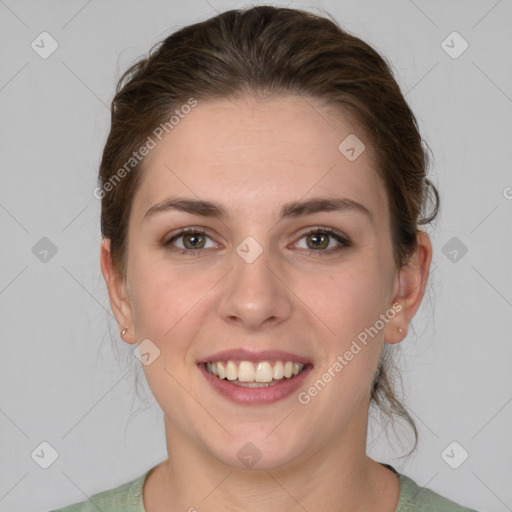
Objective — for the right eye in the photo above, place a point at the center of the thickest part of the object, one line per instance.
(193, 242)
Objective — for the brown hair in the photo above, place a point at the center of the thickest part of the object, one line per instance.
(273, 51)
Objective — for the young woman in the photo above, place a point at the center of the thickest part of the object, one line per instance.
(262, 189)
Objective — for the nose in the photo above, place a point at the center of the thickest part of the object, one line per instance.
(255, 294)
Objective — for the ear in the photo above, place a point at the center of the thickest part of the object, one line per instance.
(117, 291)
(411, 283)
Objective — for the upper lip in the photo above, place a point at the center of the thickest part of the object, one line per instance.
(242, 354)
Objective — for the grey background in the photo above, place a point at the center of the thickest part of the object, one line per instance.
(61, 379)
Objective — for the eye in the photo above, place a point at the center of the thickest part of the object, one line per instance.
(193, 241)
(317, 241)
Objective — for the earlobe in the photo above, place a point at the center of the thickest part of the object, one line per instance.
(412, 279)
(396, 329)
(119, 301)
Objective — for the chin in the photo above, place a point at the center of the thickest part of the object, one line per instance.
(257, 453)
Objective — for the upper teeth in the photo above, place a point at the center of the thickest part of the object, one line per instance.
(247, 371)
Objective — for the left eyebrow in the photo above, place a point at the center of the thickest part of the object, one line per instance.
(293, 209)
(324, 204)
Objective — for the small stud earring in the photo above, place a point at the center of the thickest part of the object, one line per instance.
(400, 330)
(123, 332)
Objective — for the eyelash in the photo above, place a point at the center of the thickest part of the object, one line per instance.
(345, 243)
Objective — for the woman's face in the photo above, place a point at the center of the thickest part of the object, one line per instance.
(258, 282)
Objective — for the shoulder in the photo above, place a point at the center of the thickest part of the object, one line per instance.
(414, 498)
(126, 498)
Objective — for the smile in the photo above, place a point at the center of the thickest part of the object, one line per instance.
(255, 377)
(254, 374)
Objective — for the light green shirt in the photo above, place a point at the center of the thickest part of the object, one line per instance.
(128, 498)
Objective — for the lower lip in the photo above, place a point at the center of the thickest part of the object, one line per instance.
(255, 396)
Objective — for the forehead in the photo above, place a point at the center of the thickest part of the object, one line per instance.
(254, 154)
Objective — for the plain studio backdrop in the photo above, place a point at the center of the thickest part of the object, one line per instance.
(66, 393)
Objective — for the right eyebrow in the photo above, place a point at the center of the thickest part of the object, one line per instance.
(194, 206)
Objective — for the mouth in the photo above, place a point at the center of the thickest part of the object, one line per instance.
(252, 378)
(251, 374)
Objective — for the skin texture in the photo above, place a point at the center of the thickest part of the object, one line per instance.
(253, 156)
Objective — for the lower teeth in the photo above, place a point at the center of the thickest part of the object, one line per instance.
(254, 384)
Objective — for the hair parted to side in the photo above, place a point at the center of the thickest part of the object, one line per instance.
(272, 51)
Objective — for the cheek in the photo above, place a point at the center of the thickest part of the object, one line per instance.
(166, 312)
(347, 299)
(353, 342)
(168, 301)
(150, 310)
(349, 304)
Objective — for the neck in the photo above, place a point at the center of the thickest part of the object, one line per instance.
(336, 477)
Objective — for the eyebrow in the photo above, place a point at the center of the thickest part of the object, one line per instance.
(293, 209)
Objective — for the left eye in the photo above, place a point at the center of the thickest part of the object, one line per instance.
(319, 238)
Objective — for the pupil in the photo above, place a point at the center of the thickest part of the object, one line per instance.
(316, 237)
(194, 236)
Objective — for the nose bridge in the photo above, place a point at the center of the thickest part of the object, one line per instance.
(253, 293)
